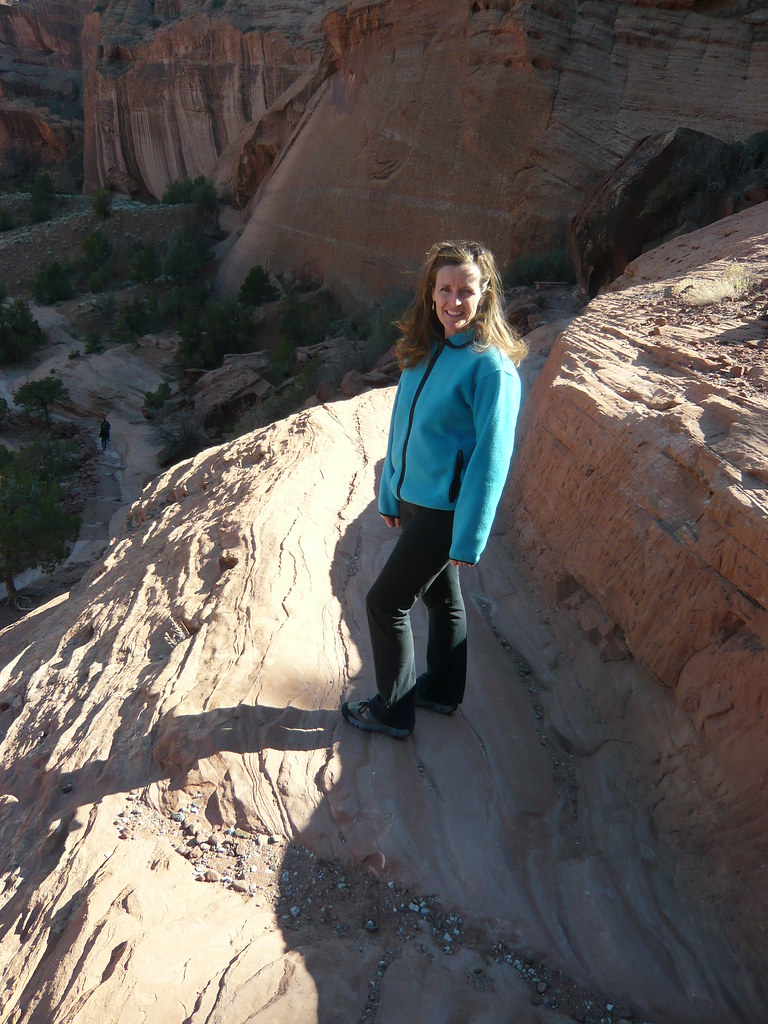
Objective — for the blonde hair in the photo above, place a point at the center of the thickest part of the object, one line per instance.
(420, 321)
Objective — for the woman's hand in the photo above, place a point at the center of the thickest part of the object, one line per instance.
(391, 521)
(467, 565)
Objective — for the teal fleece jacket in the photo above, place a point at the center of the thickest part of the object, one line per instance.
(451, 438)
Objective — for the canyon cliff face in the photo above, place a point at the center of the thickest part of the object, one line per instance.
(488, 120)
(169, 89)
(41, 102)
(189, 828)
(401, 122)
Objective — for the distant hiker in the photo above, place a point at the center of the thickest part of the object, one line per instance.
(450, 445)
(104, 433)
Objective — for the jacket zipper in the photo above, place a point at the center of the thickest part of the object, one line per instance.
(422, 382)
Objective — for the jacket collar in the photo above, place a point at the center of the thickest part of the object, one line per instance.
(460, 340)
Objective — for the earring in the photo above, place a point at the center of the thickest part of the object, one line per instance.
(433, 305)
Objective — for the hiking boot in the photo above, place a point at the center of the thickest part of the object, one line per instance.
(361, 716)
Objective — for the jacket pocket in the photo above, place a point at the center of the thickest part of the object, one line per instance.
(453, 490)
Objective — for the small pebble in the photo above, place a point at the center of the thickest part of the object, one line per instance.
(211, 875)
(371, 926)
(541, 988)
(177, 816)
(295, 911)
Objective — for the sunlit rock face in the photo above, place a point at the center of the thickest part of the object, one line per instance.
(168, 91)
(639, 499)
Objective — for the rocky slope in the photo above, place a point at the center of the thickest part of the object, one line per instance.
(190, 833)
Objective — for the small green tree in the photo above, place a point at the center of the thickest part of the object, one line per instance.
(7, 222)
(155, 400)
(51, 283)
(187, 255)
(257, 288)
(34, 527)
(42, 195)
(133, 321)
(177, 192)
(36, 396)
(4, 409)
(145, 265)
(203, 196)
(20, 333)
(97, 250)
(305, 321)
(224, 326)
(102, 203)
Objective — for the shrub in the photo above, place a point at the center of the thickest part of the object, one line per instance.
(40, 210)
(200, 192)
(181, 441)
(145, 265)
(42, 195)
(42, 187)
(97, 250)
(20, 333)
(155, 400)
(204, 197)
(257, 288)
(379, 330)
(555, 265)
(52, 284)
(7, 222)
(179, 191)
(93, 342)
(223, 326)
(306, 321)
(98, 280)
(34, 527)
(102, 203)
(132, 321)
(187, 255)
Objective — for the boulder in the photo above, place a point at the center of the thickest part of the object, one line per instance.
(667, 184)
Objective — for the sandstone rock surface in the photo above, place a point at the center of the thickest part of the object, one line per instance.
(190, 830)
(642, 486)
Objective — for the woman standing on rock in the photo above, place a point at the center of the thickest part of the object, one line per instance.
(450, 444)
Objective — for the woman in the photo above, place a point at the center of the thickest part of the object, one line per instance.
(450, 444)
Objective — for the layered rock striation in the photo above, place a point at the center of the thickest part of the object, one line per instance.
(640, 498)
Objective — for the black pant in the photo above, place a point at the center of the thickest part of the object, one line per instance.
(419, 566)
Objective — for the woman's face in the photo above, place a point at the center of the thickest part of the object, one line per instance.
(457, 295)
